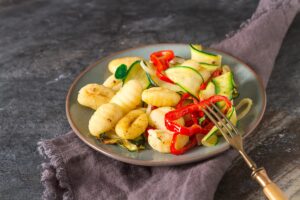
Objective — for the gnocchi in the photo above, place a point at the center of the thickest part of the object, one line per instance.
(113, 83)
(129, 96)
(159, 96)
(105, 118)
(94, 95)
(148, 95)
(160, 140)
(132, 125)
(114, 64)
(157, 118)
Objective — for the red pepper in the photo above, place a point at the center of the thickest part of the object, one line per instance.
(195, 100)
(153, 107)
(171, 116)
(203, 86)
(209, 125)
(188, 121)
(161, 60)
(192, 143)
(183, 98)
(216, 73)
(195, 117)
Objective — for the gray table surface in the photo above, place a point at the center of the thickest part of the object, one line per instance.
(45, 44)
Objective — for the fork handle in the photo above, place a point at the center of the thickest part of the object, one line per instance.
(271, 190)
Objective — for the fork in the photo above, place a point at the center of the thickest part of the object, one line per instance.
(234, 138)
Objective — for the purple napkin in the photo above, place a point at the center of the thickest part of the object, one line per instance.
(75, 171)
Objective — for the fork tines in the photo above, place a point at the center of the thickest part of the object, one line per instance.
(220, 120)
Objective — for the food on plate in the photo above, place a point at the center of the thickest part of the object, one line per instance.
(129, 96)
(161, 140)
(132, 125)
(159, 96)
(94, 95)
(158, 102)
(157, 118)
(114, 64)
(105, 118)
(113, 83)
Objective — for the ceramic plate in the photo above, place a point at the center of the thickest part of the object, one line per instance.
(249, 85)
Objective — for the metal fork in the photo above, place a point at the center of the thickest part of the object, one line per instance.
(232, 136)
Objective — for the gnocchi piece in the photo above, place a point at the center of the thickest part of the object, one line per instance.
(157, 118)
(94, 95)
(160, 140)
(132, 125)
(129, 96)
(158, 96)
(114, 64)
(113, 83)
(105, 118)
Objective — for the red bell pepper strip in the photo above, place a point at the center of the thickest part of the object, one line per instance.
(171, 116)
(153, 107)
(183, 98)
(192, 143)
(216, 73)
(188, 121)
(195, 117)
(203, 86)
(161, 60)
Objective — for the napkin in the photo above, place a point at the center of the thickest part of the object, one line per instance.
(72, 170)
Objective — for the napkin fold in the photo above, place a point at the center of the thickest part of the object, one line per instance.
(72, 170)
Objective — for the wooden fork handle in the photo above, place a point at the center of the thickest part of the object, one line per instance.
(271, 190)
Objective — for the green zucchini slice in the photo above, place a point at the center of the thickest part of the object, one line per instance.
(187, 78)
(136, 72)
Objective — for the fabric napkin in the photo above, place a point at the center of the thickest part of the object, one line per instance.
(72, 170)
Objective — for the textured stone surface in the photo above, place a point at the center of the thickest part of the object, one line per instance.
(45, 44)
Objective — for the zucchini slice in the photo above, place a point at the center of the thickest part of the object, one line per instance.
(196, 65)
(210, 141)
(210, 67)
(205, 57)
(192, 64)
(208, 92)
(187, 78)
(231, 115)
(224, 84)
(157, 82)
(136, 72)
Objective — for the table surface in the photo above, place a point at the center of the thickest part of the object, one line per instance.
(45, 44)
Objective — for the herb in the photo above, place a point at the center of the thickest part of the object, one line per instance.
(121, 72)
(139, 140)
(201, 120)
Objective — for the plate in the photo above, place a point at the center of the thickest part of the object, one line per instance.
(249, 85)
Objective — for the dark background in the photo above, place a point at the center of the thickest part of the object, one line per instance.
(45, 44)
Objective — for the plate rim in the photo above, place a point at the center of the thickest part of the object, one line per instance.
(158, 163)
